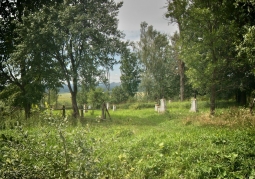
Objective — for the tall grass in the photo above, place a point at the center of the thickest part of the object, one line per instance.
(135, 143)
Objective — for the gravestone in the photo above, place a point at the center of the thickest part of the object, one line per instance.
(193, 105)
(156, 107)
(162, 107)
(114, 107)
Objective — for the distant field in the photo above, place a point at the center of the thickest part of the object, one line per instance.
(64, 99)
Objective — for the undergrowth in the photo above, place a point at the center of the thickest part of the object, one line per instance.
(135, 143)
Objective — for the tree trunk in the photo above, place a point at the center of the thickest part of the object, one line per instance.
(74, 105)
(213, 90)
(181, 73)
(241, 97)
(73, 92)
(27, 108)
(212, 99)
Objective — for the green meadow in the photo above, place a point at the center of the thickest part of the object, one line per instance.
(136, 143)
(64, 99)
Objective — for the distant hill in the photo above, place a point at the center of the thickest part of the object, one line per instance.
(65, 89)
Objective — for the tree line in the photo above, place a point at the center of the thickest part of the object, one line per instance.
(44, 44)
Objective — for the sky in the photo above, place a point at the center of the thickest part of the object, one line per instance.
(132, 13)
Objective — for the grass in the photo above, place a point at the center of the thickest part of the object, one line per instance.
(136, 144)
(65, 99)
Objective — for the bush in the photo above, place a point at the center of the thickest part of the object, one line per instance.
(55, 153)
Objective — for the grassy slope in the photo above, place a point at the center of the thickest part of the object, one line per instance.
(145, 144)
(64, 99)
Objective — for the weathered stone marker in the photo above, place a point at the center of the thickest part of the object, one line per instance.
(114, 107)
(193, 105)
(162, 107)
(156, 107)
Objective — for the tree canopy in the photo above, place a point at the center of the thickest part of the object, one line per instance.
(72, 38)
(210, 31)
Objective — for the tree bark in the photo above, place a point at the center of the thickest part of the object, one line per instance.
(74, 105)
(213, 87)
(241, 97)
(212, 99)
(182, 82)
(27, 108)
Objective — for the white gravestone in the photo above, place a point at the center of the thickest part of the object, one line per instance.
(107, 106)
(193, 105)
(162, 107)
(156, 107)
(114, 107)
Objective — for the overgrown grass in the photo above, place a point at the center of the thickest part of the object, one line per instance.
(135, 143)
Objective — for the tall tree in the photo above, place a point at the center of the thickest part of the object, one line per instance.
(154, 53)
(245, 45)
(208, 41)
(20, 72)
(176, 13)
(130, 71)
(78, 35)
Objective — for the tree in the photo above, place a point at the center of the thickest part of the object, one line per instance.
(208, 46)
(79, 37)
(21, 73)
(155, 57)
(96, 97)
(176, 13)
(244, 46)
(118, 95)
(180, 65)
(130, 72)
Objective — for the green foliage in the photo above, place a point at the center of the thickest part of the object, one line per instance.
(65, 42)
(155, 57)
(118, 95)
(97, 97)
(208, 34)
(55, 153)
(246, 47)
(130, 72)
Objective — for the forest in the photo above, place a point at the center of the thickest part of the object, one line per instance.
(46, 45)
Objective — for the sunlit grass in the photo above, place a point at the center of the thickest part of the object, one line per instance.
(141, 143)
(65, 99)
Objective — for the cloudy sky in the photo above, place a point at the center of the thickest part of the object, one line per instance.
(132, 13)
